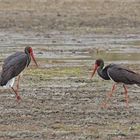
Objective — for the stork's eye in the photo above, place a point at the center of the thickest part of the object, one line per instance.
(30, 50)
(98, 62)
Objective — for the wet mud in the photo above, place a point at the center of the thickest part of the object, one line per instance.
(59, 101)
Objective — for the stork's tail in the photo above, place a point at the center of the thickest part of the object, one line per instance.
(133, 78)
(138, 80)
(138, 85)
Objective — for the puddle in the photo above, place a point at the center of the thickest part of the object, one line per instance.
(72, 50)
(63, 50)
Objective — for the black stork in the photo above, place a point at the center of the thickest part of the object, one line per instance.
(13, 66)
(118, 74)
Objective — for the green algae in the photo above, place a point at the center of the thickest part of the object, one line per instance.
(55, 72)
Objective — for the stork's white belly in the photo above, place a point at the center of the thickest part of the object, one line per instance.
(10, 83)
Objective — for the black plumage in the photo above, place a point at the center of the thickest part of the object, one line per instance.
(14, 65)
(103, 73)
(118, 74)
(123, 75)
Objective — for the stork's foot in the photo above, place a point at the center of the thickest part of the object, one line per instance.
(127, 105)
(18, 98)
(104, 105)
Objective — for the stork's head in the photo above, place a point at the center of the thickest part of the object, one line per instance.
(29, 51)
(98, 63)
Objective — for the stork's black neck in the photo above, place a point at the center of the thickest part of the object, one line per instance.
(28, 56)
(102, 72)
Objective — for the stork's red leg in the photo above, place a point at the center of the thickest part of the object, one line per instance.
(17, 94)
(18, 83)
(126, 95)
(109, 95)
(16, 91)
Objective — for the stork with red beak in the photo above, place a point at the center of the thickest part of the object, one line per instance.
(118, 74)
(12, 68)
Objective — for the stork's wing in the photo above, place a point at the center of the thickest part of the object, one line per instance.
(122, 75)
(12, 56)
(12, 67)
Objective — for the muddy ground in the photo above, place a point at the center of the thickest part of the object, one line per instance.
(59, 101)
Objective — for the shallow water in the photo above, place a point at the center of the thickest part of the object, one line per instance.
(64, 46)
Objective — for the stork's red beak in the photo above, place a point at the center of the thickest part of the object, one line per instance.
(32, 55)
(94, 70)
